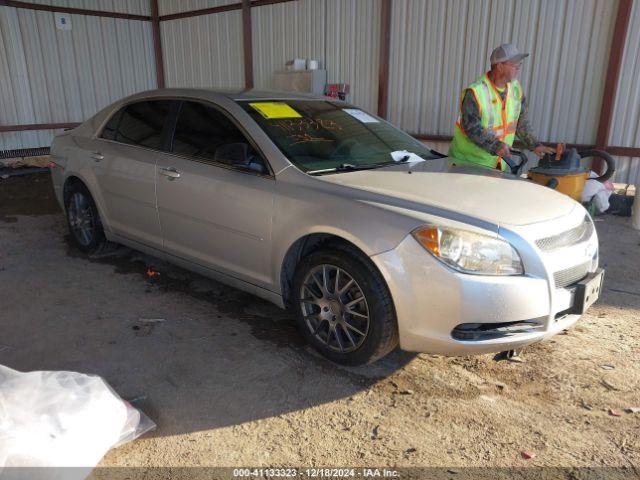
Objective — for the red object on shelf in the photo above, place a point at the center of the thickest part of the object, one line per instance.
(337, 90)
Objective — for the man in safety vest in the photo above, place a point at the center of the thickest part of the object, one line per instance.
(493, 111)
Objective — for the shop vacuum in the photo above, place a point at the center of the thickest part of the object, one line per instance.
(565, 170)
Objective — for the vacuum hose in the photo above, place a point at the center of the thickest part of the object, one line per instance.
(516, 168)
(611, 168)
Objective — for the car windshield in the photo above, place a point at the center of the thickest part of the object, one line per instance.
(325, 137)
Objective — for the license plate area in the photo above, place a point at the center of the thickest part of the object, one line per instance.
(587, 291)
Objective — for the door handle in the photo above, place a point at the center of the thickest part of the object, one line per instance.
(170, 172)
(97, 156)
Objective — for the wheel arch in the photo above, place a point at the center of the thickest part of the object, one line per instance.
(68, 182)
(305, 245)
(73, 179)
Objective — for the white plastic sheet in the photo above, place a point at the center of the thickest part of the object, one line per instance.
(61, 419)
(596, 191)
(404, 155)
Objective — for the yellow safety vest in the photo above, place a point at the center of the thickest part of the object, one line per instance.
(495, 115)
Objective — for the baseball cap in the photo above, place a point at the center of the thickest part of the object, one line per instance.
(507, 52)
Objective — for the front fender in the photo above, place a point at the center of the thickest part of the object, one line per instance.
(300, 211)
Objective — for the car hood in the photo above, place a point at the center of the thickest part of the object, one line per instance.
(481, 193)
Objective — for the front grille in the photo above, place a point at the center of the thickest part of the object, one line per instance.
(578, 234)
(569, 276)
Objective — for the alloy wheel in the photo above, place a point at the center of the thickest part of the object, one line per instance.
(81, 218)
(334, 308)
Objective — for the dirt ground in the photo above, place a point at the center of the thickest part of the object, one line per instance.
(229, 381)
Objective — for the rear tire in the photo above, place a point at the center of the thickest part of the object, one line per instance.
(83, 219)
(343, 306)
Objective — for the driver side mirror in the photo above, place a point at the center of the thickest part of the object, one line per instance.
(240, 155)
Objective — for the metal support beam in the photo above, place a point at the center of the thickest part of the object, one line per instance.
(612, 150)
(247, 44)
(263, 3)
(220, 9)
(157, 43)
(383, 66)
(75, 11)
(613, 71)
(36, 126)
(203, 11)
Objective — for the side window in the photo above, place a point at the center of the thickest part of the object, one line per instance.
(205, 132)
(110, 129)
(139, 123)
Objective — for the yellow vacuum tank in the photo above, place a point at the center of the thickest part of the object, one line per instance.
(566, 173)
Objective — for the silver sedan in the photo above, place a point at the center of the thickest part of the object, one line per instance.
(369, 237)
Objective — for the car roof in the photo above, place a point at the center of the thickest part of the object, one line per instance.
(250, 94)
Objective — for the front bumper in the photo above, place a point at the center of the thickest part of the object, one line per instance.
(431, 300)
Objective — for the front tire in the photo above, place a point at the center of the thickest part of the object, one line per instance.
(343, 306)
(83, 219)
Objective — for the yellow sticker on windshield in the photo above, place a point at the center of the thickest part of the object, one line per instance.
(272, 110)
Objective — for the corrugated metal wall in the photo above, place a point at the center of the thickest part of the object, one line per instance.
(625, 127)
(627, 170)
(342, 34)
(564, 77)
(135, 7)
(55, 76)
(204, 51)
(284, 31)
(353, 48)
(167, 7)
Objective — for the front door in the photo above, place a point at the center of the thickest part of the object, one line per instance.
(214, 209)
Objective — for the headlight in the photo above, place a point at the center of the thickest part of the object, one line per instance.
(470, 252)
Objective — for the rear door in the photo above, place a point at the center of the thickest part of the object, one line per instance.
(125, 167)
(212, 211)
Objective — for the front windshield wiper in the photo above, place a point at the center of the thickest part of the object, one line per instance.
(350, 167)
(346, 167)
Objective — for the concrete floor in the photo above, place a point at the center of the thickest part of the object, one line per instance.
(229, 381)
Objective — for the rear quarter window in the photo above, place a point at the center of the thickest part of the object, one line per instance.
(140, 123)
(109, 130)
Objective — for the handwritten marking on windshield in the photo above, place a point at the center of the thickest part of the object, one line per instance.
(306, 138)
(304, 124)
(298, 130)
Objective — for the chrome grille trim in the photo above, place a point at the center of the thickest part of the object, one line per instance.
(486, 331)
(569, 276)
(578, 234)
